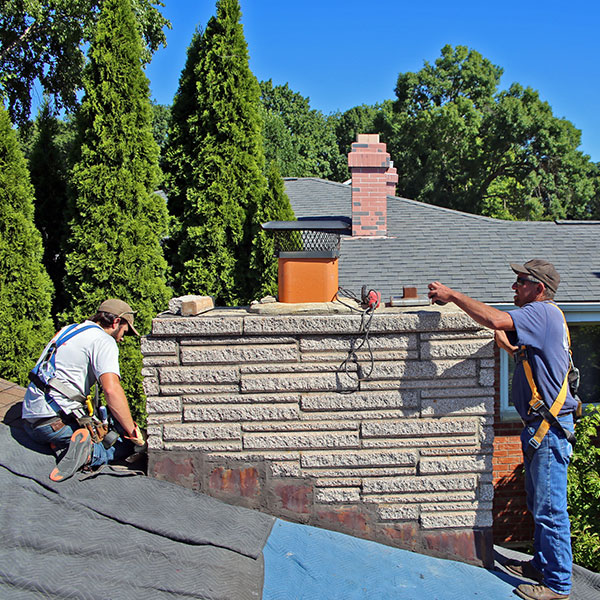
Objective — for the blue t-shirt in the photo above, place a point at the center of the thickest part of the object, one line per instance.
(541, 327)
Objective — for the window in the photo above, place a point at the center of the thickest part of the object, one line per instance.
(584, 326)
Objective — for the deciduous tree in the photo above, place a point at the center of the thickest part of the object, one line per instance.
(299, 139)
(44, 40)
(459, 142)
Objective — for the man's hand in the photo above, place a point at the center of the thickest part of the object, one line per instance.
(502, 340)
(485, 315)
(439, 293)
(137, 436)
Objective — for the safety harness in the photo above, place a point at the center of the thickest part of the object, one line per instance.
(43, 376)
(537, 404)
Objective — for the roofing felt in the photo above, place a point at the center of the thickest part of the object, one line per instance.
(468, 252)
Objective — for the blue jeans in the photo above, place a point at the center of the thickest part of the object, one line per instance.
(546, 487)
(60, 439)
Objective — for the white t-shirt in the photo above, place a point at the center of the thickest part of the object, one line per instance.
(79, 363)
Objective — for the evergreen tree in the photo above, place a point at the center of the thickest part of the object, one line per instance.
(118, 220)
(275, 207)
(49, 169)
(25, 288)
(214, 162)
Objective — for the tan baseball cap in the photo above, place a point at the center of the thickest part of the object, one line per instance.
(540, 269)
(120, 309)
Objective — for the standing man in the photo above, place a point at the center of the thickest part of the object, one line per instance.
(536, 334)
(85, 354)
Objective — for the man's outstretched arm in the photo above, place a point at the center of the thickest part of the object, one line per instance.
(485, 315)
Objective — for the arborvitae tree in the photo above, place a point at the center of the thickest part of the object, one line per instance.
(275, 207)
(220, 181)
(118, 220)
(25, 288)
(49, 168)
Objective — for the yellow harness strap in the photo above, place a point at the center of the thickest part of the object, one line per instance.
(536, 399)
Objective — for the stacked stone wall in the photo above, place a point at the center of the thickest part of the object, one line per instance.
(386, 435)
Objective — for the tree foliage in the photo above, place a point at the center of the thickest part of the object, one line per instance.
(119, 220)
(25, 288)
(49, 165)
(583, 491)
(214, 162)
(44, 39)
(459, 142)
(299, 139)
(359, 119)
(274, 207)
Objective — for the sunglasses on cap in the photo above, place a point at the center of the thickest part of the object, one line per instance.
(523, 280)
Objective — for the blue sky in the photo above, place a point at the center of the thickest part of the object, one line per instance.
(342, 53)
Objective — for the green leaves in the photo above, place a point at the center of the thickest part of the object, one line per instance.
(214, 166)
(44, 40)
(25, 288)
(459, 142)
(583, 491)
(118, 219)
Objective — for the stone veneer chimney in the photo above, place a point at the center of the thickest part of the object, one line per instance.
(374, 178)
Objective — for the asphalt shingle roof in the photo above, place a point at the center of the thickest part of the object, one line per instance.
(468, 252)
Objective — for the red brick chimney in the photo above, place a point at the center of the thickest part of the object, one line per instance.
(373, 179)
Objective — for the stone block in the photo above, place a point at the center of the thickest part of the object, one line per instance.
(236, 398)
(418, 428)
(177, 327)
(150, 385)
(337, 495)
(358, 401)
(194, 375)
(163, 404)
(419, 484)
(445, 407)
(241, 413)
(486, 377)
(302, 441)
(197, 431)
(458, 349)
(362, 458)
(398, 512)
(456, 520)
(158, 346)
(193, 355)
(298, 382)
(437, 466)
(344, 343)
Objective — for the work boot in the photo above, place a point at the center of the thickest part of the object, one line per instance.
(78, 454)
(538, 592)
(524, 569)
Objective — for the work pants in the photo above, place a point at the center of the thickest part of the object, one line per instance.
(546, 487)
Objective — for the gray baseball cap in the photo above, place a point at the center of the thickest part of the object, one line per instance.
(542, 270)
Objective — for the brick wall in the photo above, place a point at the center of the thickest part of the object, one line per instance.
(512, 520)
(260, 410)
(373, 179)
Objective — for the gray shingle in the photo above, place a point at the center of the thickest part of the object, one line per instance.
(468, 252)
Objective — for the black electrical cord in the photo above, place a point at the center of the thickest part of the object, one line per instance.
(362, 338)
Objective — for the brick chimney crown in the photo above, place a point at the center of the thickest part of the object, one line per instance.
(374, 178)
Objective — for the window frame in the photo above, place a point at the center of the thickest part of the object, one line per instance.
(575, 312)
